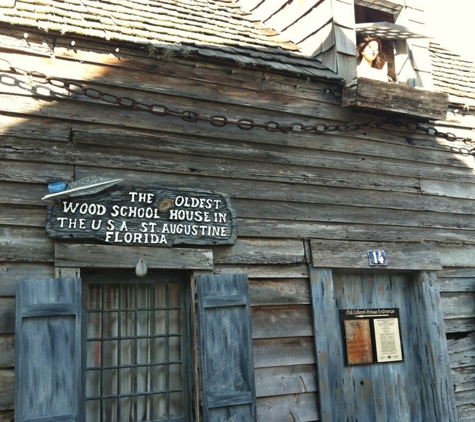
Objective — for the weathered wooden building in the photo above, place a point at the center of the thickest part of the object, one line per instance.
(247, 231)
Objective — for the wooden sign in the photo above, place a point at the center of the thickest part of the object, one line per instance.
(371, 336)
(132, 216)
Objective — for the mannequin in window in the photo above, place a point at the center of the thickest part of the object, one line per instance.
(370, 60)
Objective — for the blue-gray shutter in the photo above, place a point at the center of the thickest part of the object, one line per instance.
(227, 365)
(48, 345)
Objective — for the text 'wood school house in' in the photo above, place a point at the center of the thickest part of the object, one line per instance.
(234, 210)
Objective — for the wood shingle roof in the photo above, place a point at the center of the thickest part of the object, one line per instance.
(214, 29)
(453, 75)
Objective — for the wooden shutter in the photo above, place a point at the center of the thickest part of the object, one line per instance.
(227, 365)
(48, 347)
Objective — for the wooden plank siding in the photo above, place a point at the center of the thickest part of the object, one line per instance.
(381, 185)
(457, 287)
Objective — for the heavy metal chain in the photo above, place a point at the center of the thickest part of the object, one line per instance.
(77, 88)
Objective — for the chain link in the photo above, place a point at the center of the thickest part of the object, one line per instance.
(79, 89)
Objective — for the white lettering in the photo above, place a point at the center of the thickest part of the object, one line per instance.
(61, 221)
(96, 224)
(69, 207)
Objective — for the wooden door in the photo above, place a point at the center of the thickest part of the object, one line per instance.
(416, 389)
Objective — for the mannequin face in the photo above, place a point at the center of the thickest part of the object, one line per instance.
(370, 51)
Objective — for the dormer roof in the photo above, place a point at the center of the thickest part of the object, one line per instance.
(453, 75)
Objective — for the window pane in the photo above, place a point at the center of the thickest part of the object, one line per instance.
(109, 382)
(93, 383)
(134, 331)
(175, 349)
(127, 380)
(159, 350)
(174, 295)
(159, 376)
(127, 352)
(159, 403)
(109, 353)
(174, 322)
(110, 326)
(175, 377)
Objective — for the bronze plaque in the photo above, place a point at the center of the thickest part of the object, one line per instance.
(359, 348)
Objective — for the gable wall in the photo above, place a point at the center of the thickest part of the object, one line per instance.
(391, 185)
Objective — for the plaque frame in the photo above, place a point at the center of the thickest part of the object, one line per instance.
(371, 336)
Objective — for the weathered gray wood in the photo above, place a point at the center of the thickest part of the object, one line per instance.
(264, 271)
(277, 381)
(7, 315)
(294, 407)
(283, 352)
(398, 196)
(391, 145)
(439, 187)
(38, 43)
(280, 321)
(434, 359)
(30, 216)
(328, 346)
(462, 352)
(360, 386)
(456, 273)
(7, 389)
(11, 272)
(457, 256)
(146, 120)
(7, 351)
(354, 231)
(21, 244)
(463, 378)
(34, 128)
(459, 325)
(260, 251)
(279, 292)
(372, 94)
(11, 171)
(22, 193)
(313, 152)
(457, 284)
(28, 194)
(226, 354)
(458, 305)
(353, 215)
(466, 413)
(403, 256)
(151, 82)
(49, 346)
(105, 256)
(464, 397)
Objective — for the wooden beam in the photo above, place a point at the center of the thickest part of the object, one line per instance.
(370, 94)
(107, 256)
(353, 255)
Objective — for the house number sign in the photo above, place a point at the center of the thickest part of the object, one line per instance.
(371, 336)
(125, 215)
(377, 258)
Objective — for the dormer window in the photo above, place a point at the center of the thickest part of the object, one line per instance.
(398, 28)
(393, 24)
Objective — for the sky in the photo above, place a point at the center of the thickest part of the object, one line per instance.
(452, 24)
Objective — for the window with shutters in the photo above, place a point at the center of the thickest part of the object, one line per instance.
(115, 347)
(137, 364)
